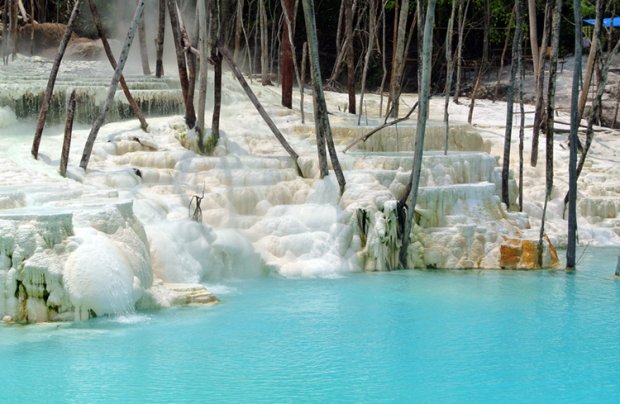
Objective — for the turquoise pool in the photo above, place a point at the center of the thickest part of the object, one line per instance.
(438, 336)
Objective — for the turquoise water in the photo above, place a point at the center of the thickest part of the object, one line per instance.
(438, 336)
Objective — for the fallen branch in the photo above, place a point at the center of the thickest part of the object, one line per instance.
(385, 125)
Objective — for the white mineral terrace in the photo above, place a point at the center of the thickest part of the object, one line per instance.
(119, 237)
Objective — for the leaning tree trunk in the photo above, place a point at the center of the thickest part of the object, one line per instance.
(108, 51)
(516, 54)
(190, 113)
(592, 56)
(161, 33)
(572, 161)
(414, 180)
(47, 97)
(92, 136)
(449, 74)
(144, 53)
(321, 120)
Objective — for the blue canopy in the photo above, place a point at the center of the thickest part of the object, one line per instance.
(607, 22)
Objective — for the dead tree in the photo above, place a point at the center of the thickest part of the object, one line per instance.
(144, 53)
(92, 136)
(592, 56)
(47, 97)
(414, 180)
(516, 54)
(372, 27)
(215, 59)
(449, 74)
(203, 45)
(399, 56)
(540, 80)
(500, 71)
(462, 17)
(5, 33)
(264, 41)
(350, 58)
(108, 51)
(13, 41)
(248, 90)
(66, 144)
(286, 55)
(161, 34)
(571, 246)
(190, 113)
(321, 120)
(483, 62)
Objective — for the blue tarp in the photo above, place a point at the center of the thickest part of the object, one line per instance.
(607, 22)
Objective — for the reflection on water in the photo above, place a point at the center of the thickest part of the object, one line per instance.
(439, 336)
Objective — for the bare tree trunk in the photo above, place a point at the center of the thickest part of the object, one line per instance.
(414, 180)
(572, 161)
(144, 53)
(286, 57)
(92, 136)
(203, 15)
(264, 44)
(216, 60)
(302, 86)
(66, 144)
(321, 120)
(372, 24)
(161, 33)
(383, 60)
(462, 17)
(483, 62)
(521, 132)
(13, 28)
(449, 74)
(238, 29)
(350, 55)
(5, 32)
(248, 90)
(398, 57)
(45, 104)
(516, 54)
(108, 51)
(587, 78)
(190, 113)
(540, 81)
(531, 5)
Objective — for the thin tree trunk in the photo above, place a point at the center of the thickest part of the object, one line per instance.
(302, 86)
(572, 161)
(108, 51)
(531, 5)
(238, 29)
(13, 28)
(5, 32)
(372, 24)
(449, 74)
(483, 62)
(286, 57)
(32, 11)
(516, 54)
(414, 180)
(161, 34)
(521, 132)
(350, 55)
(248, 90)
(321, 120)
(92, 136)
(383, 60)
(540, 81)
(216, 60)
(395, 88)
(462, 17)
(45, 104)
(144, 53)
(203, 15)
(264, 44)
(587, 78)
(190, 113)
(66, 144)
